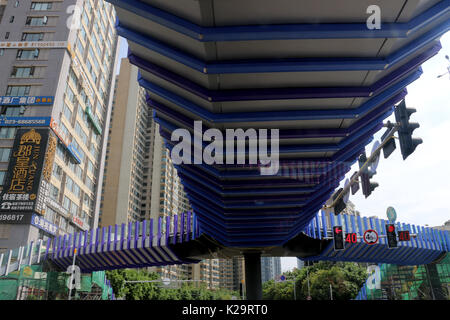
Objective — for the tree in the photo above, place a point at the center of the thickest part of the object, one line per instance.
(345, 279)
(153, 291)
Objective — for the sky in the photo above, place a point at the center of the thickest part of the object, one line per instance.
(418, 187)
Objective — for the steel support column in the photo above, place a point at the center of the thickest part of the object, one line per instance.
(253, 281)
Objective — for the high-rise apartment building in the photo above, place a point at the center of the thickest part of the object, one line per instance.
(140, 181)
(57, 63)
(126, 162)
(270, 268)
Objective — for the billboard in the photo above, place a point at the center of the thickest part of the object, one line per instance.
(26, 100)
(33, 44)
(22, 192)
(24, 121)
(43, 224)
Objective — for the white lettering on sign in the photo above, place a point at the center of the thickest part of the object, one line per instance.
(33, 44)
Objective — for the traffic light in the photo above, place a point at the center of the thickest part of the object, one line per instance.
(407, 143)
(391, 236)
(340, 204)
(366, 175)
(338, 237)
(390, 146)
(355, 185)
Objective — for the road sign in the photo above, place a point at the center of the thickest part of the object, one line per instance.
(391, 214)
(370, 237)
(376, 160)
(166, 281)
(282, 278)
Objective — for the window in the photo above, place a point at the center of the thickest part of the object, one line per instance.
(7, 35)
(86, 200)
(60, 151)
(50, 214)
(4, 154)
(2, 177)
(90, 167)
(80, 47)
(66, 203)
(2, 51)
(14, 111)
(57, 171)
(81, 133)
(62, 223)
(73, 77)
(54, 192)
(27, 54)
(67, 112)
(7, 133)
(89, 184)
(27, 36)
(16, 4)
(11, 19)
(69, 93)
(76, 190)
(22, 72)
(36, 21)
(73, 208)
(69, 183)
(41, 6)
(18, 90)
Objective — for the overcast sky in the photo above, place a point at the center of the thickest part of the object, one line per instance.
(419, 187)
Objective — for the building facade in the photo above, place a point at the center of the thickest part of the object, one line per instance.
(126, 165)
(57, 62)
(270, 268)
(140, 180)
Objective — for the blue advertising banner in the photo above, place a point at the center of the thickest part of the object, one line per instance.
(74, 152)
(26, 100)
(40, 223)
(24, 121)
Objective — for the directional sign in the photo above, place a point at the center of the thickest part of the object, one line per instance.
(391, 214)
(370, 237)
(376, 160)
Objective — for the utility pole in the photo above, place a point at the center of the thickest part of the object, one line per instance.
(72, 273)
(331, 292)
(307, 278)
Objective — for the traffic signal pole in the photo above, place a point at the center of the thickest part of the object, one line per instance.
(356, 176)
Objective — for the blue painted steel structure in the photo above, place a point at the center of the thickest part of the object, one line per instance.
(426, 247)
(145, 244)
(321, 77)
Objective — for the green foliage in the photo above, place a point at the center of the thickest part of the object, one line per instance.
(153, 291)
(346, 279)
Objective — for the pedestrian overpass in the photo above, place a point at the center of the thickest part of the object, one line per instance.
(312, 69)
(315, 70)
(181, 240)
